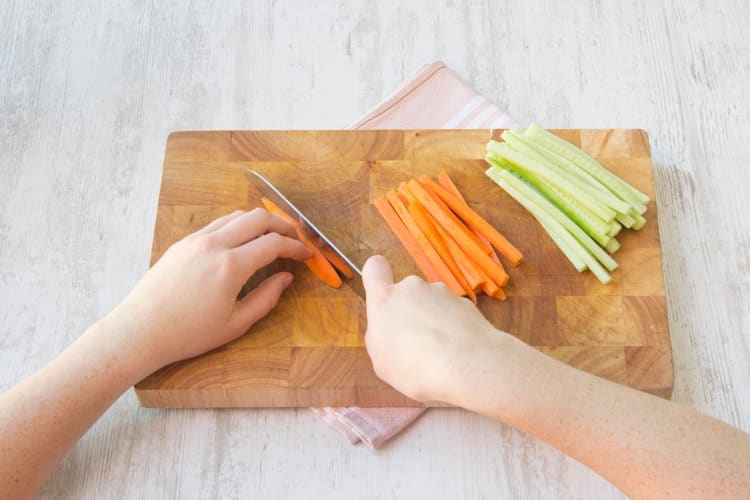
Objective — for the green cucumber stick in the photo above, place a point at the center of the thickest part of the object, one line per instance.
(582, 159)
(585, 218)
(517, 182)
(538, 169)
(596, 268)
(580, 178)
(569, 252)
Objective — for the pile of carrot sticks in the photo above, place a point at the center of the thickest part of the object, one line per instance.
(447, 239)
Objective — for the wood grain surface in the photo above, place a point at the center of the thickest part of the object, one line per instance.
(90, 90)
(310, 350)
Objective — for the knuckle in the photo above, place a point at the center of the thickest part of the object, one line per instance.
(260, 213)
(227, 264)
(204, 243)
(273, 239)
(413, 281)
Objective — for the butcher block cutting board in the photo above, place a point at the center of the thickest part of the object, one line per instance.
(310, 350)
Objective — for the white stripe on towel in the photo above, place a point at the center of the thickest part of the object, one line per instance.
(482, 117)
(468, 108)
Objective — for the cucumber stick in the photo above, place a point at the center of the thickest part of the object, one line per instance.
(569, 252)
(580, 204)
(640, 221)
(540, 201)
(578, 177)
(589, 222)
(626, 220)
(538, 169)
(503, 178)
(618, 186)
(613, 246)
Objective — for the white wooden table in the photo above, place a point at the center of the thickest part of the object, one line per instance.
(90, 90)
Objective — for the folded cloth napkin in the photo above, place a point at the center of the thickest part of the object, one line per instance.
(433, 97)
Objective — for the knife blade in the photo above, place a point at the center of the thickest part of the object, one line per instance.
(268, 190)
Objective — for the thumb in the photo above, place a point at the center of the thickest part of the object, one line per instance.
(376, 275)
(260, 301)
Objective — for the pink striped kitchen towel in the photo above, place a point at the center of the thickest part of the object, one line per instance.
(433, 97)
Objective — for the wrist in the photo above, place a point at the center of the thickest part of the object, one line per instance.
(495, 369)
(120, 338)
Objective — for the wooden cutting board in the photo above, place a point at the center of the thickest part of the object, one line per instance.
(310, 350)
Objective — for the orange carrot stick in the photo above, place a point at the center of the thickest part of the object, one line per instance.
(429, 230)
(318, 264)
(474, 276)
(490, 287)
(471, 217)
(337, 261)
(446, 276)
(485, 246)
(445, 181)
(403, 234)
(460, 233)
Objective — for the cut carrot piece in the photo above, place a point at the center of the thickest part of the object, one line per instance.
(474, 276)
(405, 194)
(337, 261)
(488, 286)
(403, 234)
(318, 264)
(445, 181)
(425, 224)
(446, 276)
(485, 246)
(460, 233)
(471, 217)
(500, 294)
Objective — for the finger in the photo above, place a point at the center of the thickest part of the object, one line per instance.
(267, 248)
(220, 222)
(253, 224)
(376, 275)
(260, 301)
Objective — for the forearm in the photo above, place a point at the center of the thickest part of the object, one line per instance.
(42, 417)
(646, 446)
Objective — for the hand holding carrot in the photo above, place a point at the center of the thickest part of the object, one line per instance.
(187, 303)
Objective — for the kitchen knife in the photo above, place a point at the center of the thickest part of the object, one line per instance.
(268, 190)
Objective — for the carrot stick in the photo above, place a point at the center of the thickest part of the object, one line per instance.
(446, 276)
(489, 286)
(485, 246)
(471, 217)
(423, 221)
(403, 234)
(460, 233)
(404, 194)
(445, 181)
(474, 276)
(318, 264)
(337, 261)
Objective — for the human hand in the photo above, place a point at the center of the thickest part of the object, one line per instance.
(186, 304)
(422, 339)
